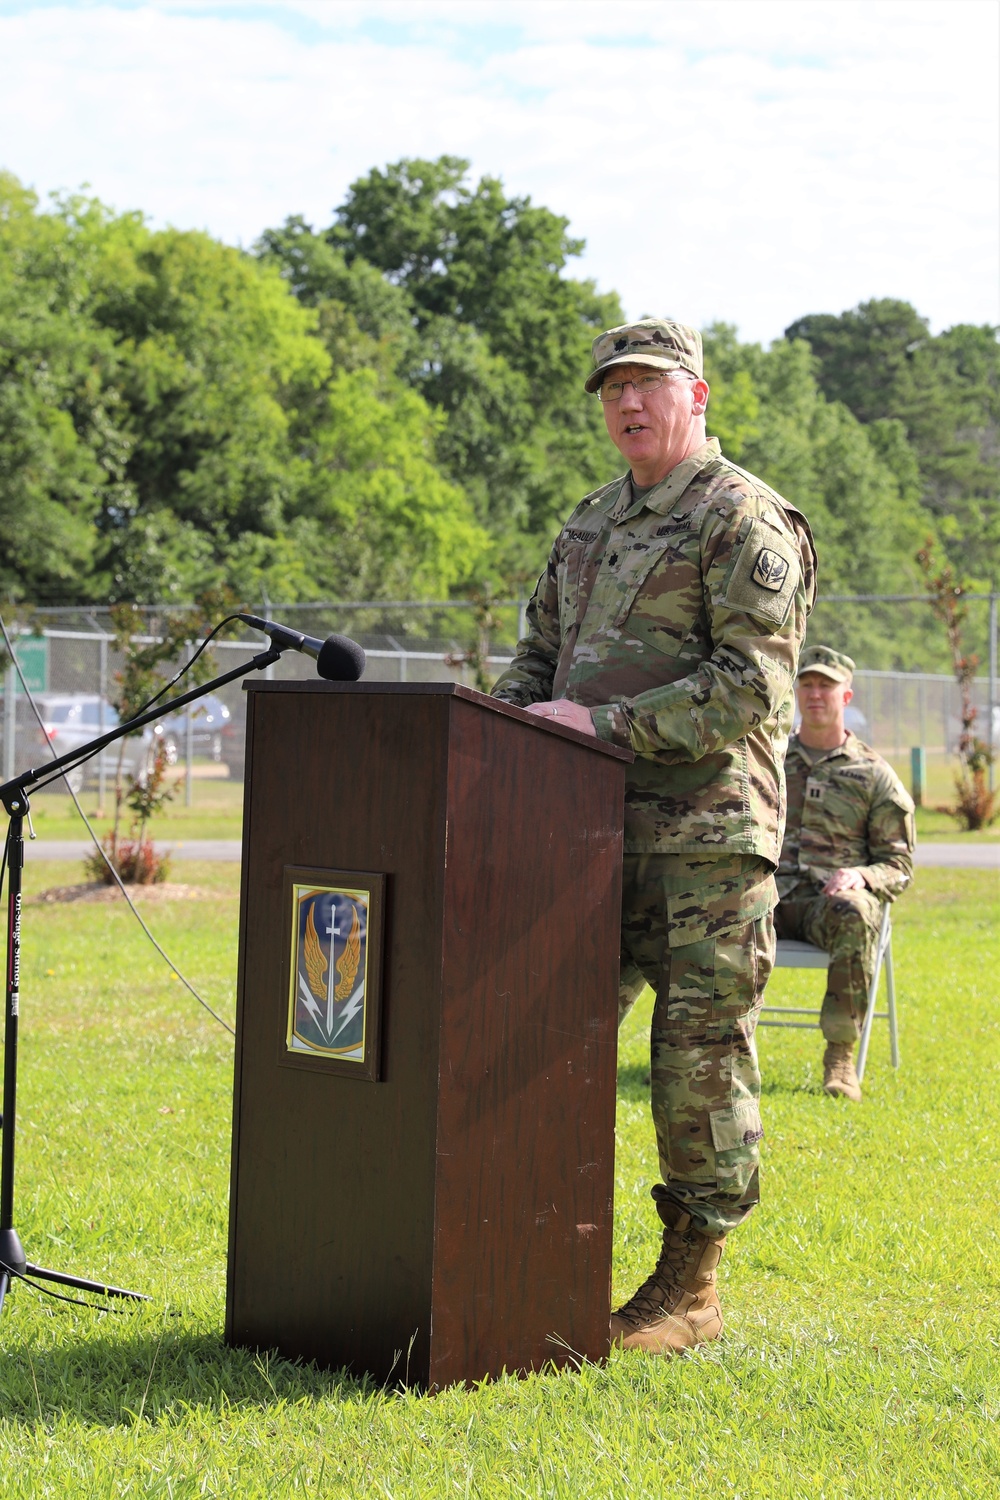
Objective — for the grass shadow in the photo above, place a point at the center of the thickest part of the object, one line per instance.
(775, 1083)
(633, 1081)
(106, 1382)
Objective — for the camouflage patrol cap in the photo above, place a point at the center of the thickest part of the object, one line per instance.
(829, 663)
(658, 342)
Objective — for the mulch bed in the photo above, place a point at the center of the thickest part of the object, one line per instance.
(167, 891)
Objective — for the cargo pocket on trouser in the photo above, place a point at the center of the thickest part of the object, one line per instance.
(744, 963)
(847, 927)
(705, 1080)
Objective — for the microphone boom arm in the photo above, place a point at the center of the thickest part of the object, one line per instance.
(11, 789)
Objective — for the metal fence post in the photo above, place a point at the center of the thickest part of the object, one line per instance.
(9, 723)
(102, 693)
(918, 774)
(402, 656)
(922, 702)
(897, 693)
(268, 671)
(993, 711)
(188, 756)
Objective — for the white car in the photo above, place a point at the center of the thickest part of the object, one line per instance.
(70, 720)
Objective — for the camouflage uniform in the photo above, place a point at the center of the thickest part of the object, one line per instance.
(676, 617)
(847, 809)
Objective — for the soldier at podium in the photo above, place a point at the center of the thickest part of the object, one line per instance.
(669, 621)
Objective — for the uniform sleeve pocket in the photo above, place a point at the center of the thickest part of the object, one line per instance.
(765, 575)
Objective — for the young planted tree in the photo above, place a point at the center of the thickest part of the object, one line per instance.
(149, 650)
(977, 805)
(477, 657)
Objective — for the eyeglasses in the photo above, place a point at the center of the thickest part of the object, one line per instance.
(613, 390)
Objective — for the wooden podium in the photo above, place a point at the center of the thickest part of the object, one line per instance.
(435, 1205)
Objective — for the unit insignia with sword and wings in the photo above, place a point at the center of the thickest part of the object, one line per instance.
(328, 990)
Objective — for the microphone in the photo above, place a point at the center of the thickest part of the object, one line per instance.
(338, 658)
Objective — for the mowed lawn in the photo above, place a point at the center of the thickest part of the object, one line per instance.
(861, 1355)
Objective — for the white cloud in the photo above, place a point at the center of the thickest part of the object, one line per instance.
(748, 161)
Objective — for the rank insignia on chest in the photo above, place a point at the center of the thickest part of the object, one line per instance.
(815, 791)
(770, 570)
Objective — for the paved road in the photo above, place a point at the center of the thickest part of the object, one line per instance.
(960, 856)
(957, 856)
(215, 849)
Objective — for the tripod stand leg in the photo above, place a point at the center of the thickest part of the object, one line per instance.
(13, 1261)
(80, 1283)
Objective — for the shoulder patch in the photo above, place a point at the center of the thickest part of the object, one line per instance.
(765, 575)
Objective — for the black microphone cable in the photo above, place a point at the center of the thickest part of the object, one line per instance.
(96, 841)
(188, 664)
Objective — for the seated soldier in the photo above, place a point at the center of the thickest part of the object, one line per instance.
(848, 847)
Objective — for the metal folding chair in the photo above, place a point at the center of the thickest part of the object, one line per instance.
(793, 954)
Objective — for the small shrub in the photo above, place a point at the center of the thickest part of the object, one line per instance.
(976, 805)
(135, 857)
(136, 861)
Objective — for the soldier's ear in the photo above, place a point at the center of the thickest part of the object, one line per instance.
(848, 694)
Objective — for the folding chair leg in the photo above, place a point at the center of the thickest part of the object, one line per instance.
(866, 1030)
(883, 949)
(890, 984)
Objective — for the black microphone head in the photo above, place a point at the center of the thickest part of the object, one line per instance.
(340, 659)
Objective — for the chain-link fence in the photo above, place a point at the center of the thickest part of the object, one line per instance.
(70, 662)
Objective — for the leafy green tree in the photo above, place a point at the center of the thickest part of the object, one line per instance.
(881, 361)
(376, 514)
(856, 484)
(62, 445)
(495, 336)
(173, 418)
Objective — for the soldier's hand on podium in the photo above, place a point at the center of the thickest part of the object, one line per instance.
(573, 715)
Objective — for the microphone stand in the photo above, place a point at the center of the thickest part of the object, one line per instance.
(13, 795)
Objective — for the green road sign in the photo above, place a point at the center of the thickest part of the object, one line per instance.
(33, 657)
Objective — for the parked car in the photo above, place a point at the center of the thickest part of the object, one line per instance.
(209, 717)
(70, 720)
(233, 746)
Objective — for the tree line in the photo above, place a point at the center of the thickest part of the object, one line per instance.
(390, 406)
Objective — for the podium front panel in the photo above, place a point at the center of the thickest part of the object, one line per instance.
(453, 1218)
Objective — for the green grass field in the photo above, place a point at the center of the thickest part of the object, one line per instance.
(216, 810)
(862, 1298)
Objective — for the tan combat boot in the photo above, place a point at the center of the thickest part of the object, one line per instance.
(678, 1307)
(839, 1077)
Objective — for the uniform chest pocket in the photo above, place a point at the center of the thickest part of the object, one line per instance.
(662, 604)
(837, 802)
(572, 576)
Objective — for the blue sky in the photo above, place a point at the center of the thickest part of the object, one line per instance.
(742, 160)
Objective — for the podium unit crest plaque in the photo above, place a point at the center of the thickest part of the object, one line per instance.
(334, 1000)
